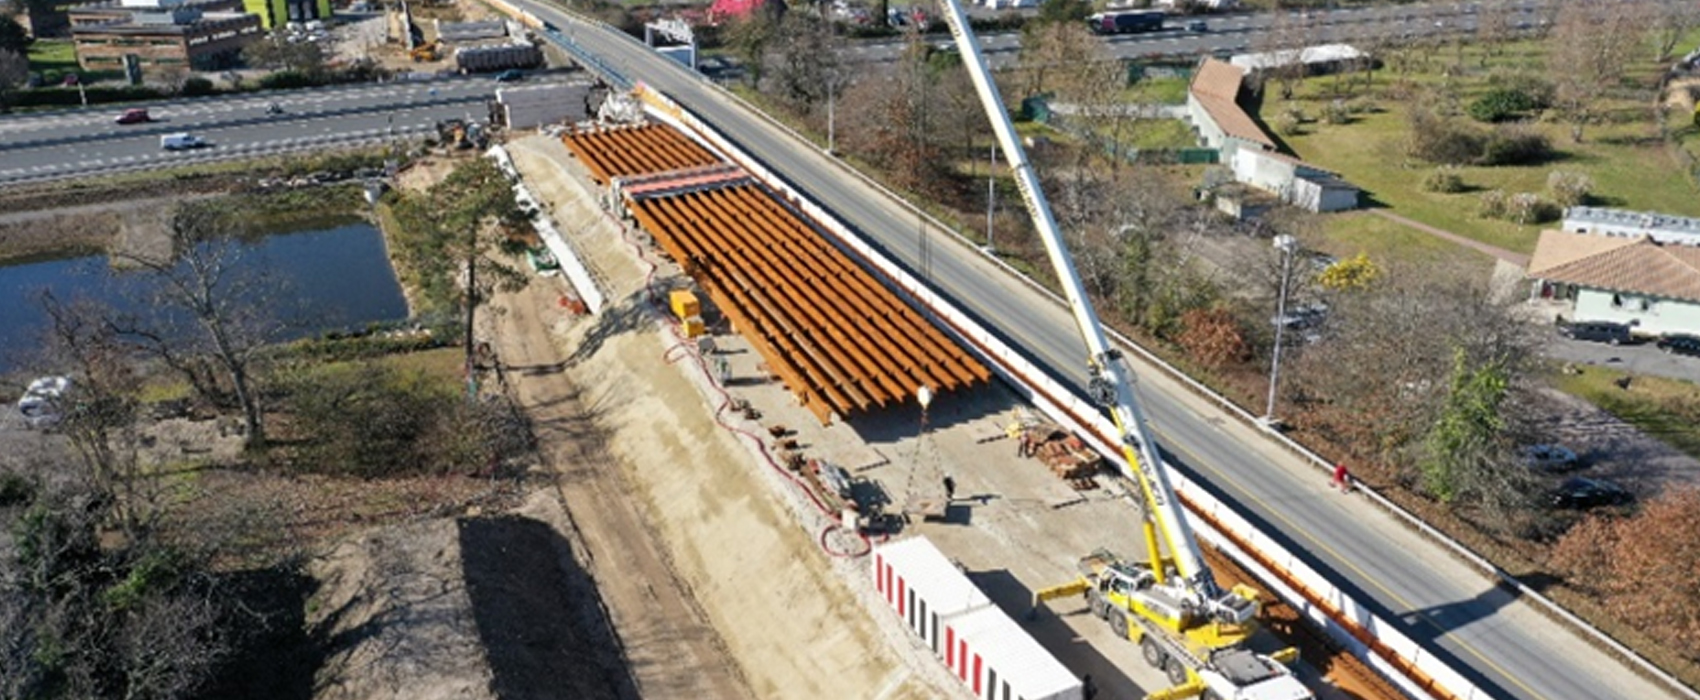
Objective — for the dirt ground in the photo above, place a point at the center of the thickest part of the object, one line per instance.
(699, 561)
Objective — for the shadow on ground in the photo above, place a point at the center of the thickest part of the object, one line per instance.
(542, 622)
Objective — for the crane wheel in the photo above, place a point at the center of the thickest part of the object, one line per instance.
(1118, 623)
(1100, 609)
(1153, 653)
(1176, 671)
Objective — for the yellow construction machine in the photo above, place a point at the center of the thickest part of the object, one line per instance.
(1184, 622)
(430, 51)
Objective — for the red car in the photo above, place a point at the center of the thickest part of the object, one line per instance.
(134, 116)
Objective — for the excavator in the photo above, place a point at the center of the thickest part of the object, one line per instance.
(1186, 624)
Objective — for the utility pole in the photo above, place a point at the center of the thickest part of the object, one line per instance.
(1287, 245)
(991, 196)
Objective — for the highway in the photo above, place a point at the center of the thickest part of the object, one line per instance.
(87, 141)
(1238, 32)
(1503, 644)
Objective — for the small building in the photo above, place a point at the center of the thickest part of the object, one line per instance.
(1317, 60)
(1212, 103)
(161, 34)
(1622, 222)
(1654, 287)
(1294, 181)
(276, 13)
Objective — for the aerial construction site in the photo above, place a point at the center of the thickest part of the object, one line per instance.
(851, 501)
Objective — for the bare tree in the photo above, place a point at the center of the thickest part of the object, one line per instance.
(224, 307)
(1495, 25)
(1667, 23)
(800, 59)
(1288, 35)
(1586, 59)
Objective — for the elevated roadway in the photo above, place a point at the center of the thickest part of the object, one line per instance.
(1503, 644)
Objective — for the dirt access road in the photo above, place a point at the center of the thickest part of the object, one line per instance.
(672, 649)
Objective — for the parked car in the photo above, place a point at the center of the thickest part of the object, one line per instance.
(180, 141)
(1198, 26)
(1597, 331)
(134, 116)
(1552, 459)
(1577, 492)
(1680, 344)
(40, 402)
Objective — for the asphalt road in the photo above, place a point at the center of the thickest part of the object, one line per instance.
(87, 141)
(1238, 32)
(1505, 646)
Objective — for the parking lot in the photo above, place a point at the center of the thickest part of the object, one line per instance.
(1639, 358)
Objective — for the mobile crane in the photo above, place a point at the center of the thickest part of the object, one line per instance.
(1184, 622)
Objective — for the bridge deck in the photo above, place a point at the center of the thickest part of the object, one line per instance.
(635, 150)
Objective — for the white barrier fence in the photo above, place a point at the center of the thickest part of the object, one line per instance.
(571, 266)
(1062, 405)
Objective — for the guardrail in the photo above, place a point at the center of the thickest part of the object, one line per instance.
(566, 254)
(1045, 395)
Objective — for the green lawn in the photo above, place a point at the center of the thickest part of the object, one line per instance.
(1630, 167)
(1391, 244)
(1667, 409)
(47, 55)
(1166, 91)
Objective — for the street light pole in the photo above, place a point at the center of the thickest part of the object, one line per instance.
(830, 143)
(1286, 244)
(991, 196)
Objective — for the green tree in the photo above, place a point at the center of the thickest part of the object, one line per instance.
(1466, 438)
(472, 213)
(1062, 12)
(13, 37)
(749, 38)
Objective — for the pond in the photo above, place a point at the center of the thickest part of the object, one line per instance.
(319, 280)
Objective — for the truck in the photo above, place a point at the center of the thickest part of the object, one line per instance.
(1186, 624)
(1125, 22)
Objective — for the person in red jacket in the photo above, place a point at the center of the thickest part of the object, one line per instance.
(1342, 478)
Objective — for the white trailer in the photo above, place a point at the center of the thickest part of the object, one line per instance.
(980, 644)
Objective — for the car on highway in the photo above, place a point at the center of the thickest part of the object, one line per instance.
(1198, 26)
(1580, 493)
(180, 141)
(134, 116)
(511, 75)
(1679, 344)
(1552, 459)
(1596, 331)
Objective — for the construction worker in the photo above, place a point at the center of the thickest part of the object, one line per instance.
(949, 488)
(1087, 689)
(1342, 478)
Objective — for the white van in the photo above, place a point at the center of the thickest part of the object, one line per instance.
(178, 142)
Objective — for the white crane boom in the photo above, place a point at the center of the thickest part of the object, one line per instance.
(1110, 383)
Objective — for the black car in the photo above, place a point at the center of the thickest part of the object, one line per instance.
(1597, 331)
(1577, 492)
(1679, 344)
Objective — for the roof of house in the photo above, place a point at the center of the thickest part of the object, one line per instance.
(1640, 265)
(1216, 87)
(1645, 221)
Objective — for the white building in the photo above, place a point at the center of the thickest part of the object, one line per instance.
(1652, 286)
(1294, 181)
(1621, 222)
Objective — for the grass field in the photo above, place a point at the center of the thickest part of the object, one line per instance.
(1667, 409)
(1630, 166)
(1391, 244)
(1164, 91)
(47, 55)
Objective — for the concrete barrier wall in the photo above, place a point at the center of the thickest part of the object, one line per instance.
(571, 266)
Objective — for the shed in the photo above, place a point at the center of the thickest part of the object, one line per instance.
(990, 653)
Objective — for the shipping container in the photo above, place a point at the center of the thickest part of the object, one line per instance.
(695, 327)
(684, 303)
(980, 644)
(997, 659)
